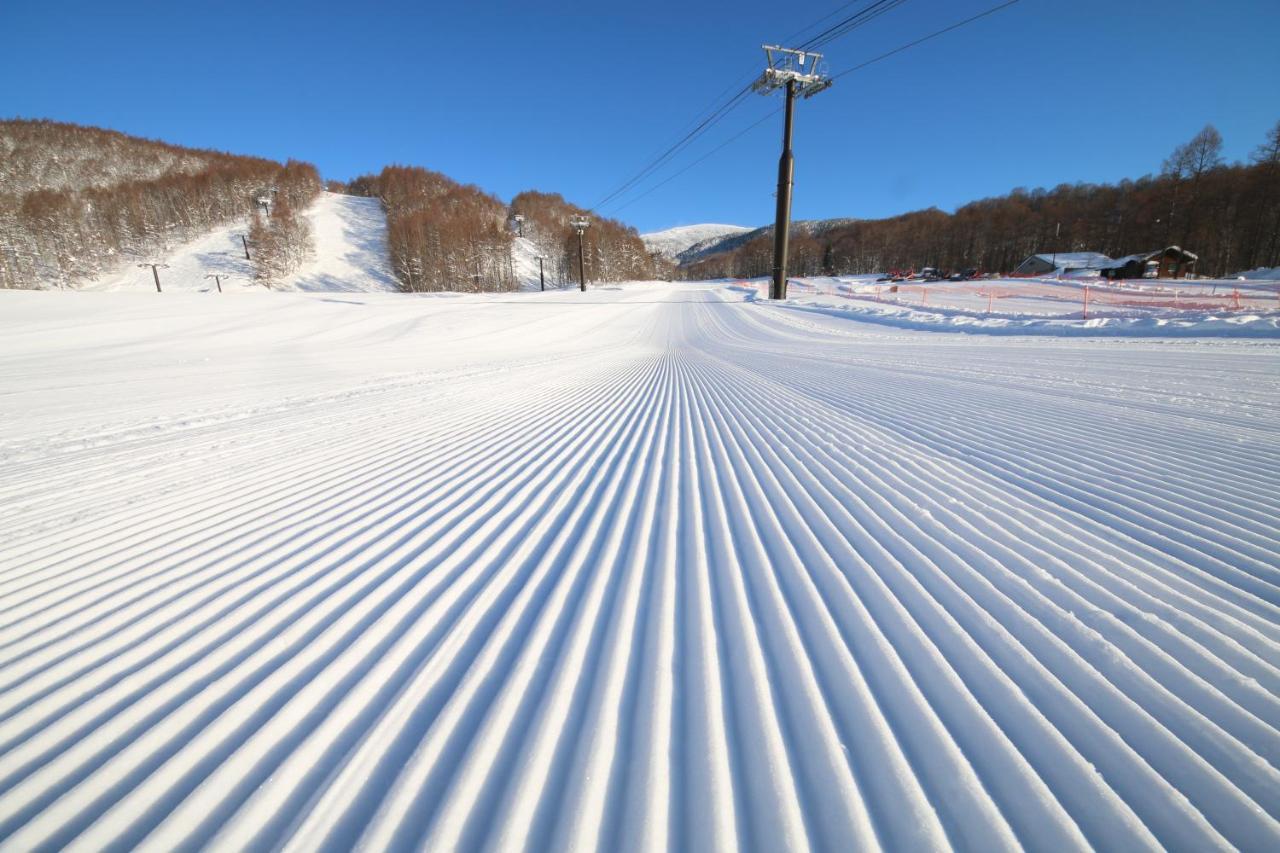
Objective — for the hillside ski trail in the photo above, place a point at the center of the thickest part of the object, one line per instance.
(348, 255)
(687, 573)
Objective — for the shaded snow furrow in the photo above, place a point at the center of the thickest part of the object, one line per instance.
(946, 559)
(663, 571)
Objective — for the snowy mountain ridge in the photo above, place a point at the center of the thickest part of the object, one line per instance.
(728, 237)
(671, 243)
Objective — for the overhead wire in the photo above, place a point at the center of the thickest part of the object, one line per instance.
(957, 25)
(741, 133)
(831, 33)
(858, 19)
(836, 11)
(719, 112)
(700, 128)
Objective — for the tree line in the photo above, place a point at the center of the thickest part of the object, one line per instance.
(281, 240)
(443, 235)
(94, 200)
(612, 251)
(1228, 214)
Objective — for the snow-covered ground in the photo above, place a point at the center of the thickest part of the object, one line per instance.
(671, 242)
(1071, 307)
(524, 264)
(647, 567)
(350, 236)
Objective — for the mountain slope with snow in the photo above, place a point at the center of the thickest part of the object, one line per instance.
(350, 235)
(715, 242)
(524, 264)
(672, 242)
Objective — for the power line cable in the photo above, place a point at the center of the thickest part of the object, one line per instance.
(924, 39)
(825, 17)
(745, 82)
(704, 157)
(682, 143)
(717, 113)
(838, 30)
(847, 71)
(858, 19)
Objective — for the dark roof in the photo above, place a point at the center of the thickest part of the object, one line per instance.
(1143, 257)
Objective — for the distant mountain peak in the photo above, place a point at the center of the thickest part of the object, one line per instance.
(672, 242)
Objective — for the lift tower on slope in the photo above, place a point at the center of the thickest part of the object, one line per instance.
(581, 224)
(155, 272)
(785, 69)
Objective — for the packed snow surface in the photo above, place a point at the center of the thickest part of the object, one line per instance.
(1058, 307)
(656, 567)
(671, 242)
(350, 237)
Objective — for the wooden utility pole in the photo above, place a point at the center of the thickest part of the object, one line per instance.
(785, 69)
(542, 280)
(155, 272)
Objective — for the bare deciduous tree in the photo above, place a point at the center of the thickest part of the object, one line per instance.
(80, 201)
(1228, 214)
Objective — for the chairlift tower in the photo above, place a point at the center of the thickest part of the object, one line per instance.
(797, 72)
(581, 224)
(155, 272)
(519, 221)
(266, 201)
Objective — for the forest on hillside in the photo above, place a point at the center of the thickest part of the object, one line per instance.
(80, 202)
(612, 251)
(77, 202)
(443, 235)
(1228, 214)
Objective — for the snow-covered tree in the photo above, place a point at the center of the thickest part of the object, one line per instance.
(76, 202)
(282, 241)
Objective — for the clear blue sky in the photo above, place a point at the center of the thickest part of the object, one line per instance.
(574, 96)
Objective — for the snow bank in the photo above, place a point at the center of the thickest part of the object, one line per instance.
(1260, 274)
(1190, 326)
(1044, 306)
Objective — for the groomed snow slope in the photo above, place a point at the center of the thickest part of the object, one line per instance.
(350, 236)
(646, 567)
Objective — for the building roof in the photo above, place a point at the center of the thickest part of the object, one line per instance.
(1075, 260)
(1148, 256)
(1141, 257)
